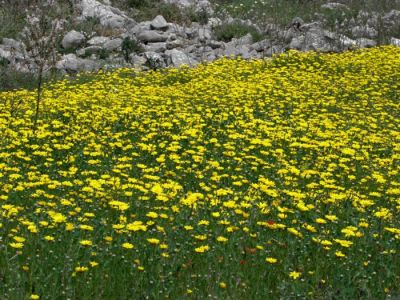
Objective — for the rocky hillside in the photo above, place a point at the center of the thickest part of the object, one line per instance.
(156, 34)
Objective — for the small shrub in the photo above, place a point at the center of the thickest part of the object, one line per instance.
(226, 32)
(138, 3)
(104, 53)
(130, 46)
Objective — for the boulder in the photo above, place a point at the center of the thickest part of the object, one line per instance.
(297, 42)
(204, 34)
(109, 16)
(154, 60)
(88, 51)
(274, 50)
(156, 47)
(159, 23)
(13, 44)
(392, 18)
(138, 61)
(215, 44)
(261, 45)
(346, 43)
(296, 22)
(334, 6)
(5, 55)
(113, 45)
(72, 40)
(150, 36)
(199, 5)
(174, 44)
(395, 42)
(240, 50)
(178, 58)
(364, 32)
(365, 43)
(98, 40)
(72, 63)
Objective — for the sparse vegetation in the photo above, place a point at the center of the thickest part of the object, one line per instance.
(227, 32)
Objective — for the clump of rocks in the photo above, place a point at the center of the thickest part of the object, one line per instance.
(158, 43)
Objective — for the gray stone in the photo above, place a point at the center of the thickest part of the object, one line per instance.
(72, 40)
(138, 61)
(392, 18)
(84, 52)
(289, 34)
(199, 5)
(261, 45)
(139, 27)
(155, 60)
(71, 63)
(159, 23)
(204, 34)
(215, 44)
(364, 31)
(109, 16)
(174, 44)
(13, 44)
(244, 40)
(151, 37)
(178, 58)
(310, 26)
(98, 40)
(113, 45)
(365, 43)
(240, 50)
(334, 6)
(274, 50)
(296, 23)
(5, 55)
(297, 42)
(156, 47)
(395, 42)
(346, 43)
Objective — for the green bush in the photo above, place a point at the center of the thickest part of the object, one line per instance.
(227, 32)
(130, 46)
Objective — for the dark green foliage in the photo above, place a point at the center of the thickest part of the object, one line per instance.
(130, 46)
(227, 32)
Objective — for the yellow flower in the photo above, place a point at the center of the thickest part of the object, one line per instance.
(222, 285)
(294, 274)
(153, 241)
(127, 246)
(93, 264)
(81, 269)
(34, 297)
(152, 215)
(17, 245)
(119, 205)
(222, 239)
(86, 243)
(271, 260)
(19, 239)
(202, 249)
(339, 254)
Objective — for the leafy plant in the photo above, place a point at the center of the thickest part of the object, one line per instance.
(226, 32)
(130, 46)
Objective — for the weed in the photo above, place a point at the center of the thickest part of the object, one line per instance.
(228, 31)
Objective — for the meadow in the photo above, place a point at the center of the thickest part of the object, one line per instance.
(263, 179)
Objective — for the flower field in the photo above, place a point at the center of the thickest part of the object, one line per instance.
(265, 179)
